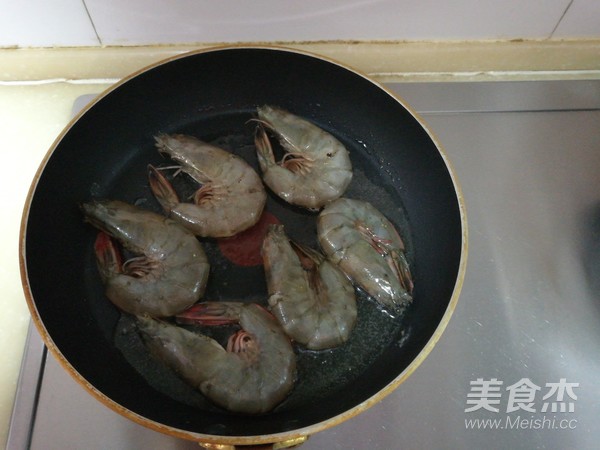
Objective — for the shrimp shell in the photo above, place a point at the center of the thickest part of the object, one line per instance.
(172, 272)
(316, 168)
(313, 300)
(366, 246)
(252, 376)
(232, 196)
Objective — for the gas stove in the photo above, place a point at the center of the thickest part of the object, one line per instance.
(518, 364)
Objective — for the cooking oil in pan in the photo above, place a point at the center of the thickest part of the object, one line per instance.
(320, 374)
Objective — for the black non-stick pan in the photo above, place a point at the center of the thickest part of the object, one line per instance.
(213, 94)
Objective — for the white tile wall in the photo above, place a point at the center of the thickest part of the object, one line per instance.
(139, 22)
(45, 23)
(143, 22)
(184, 21)
(581, 20)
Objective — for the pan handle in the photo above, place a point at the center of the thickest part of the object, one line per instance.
(287, 444)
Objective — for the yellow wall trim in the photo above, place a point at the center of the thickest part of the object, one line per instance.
(384, 61)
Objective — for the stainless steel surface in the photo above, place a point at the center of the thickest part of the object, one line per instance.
(26, 397)
(527, 155)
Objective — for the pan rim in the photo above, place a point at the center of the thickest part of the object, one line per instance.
(252, 439)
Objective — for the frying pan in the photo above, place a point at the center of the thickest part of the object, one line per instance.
(213, 94)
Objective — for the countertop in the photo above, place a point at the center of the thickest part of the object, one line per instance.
(31, 116)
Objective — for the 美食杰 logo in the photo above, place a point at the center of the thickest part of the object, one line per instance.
(527, 404)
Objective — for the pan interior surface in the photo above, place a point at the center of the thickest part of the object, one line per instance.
(213, 95)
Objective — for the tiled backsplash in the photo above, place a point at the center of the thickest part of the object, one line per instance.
(49, 23)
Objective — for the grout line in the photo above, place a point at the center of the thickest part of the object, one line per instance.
(560, 19)
(87, 11)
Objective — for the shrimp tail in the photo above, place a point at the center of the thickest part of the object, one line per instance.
(108, 256)
(401, 267)
(162, 189)
(308, 256)
(264, 149)
(208, 313)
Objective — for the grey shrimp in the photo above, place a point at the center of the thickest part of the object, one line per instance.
(171, 271)
(366, 246)
(316, 167)
(312, 299)
(252, 375)
(231, 198)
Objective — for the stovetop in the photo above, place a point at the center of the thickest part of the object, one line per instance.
(518, 364)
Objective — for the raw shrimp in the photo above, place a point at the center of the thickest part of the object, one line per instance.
(231, 198)
(316, 167)
(366, 246)
(253, 375)
(168, 277)
(312, 299)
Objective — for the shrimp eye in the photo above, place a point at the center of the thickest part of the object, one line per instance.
(329, 155)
